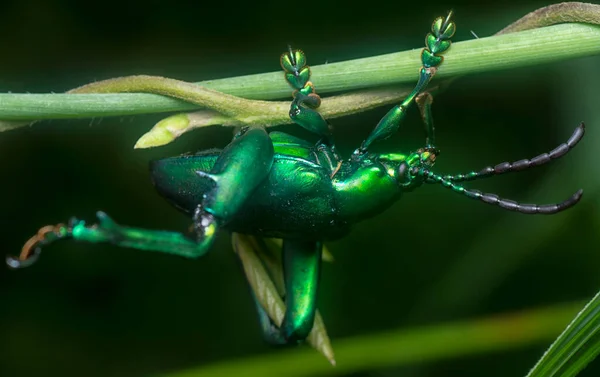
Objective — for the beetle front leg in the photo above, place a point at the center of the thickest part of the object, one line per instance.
(424, 101)
(437, 42)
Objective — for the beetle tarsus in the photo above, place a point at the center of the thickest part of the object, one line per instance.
(33, 247)
(17, 263)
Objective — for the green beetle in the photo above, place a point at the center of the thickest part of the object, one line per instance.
(277, 185)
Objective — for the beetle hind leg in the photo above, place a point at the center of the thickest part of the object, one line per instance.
(108, 231)
(240, 168)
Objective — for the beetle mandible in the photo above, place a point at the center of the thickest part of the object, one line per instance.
(277, 185)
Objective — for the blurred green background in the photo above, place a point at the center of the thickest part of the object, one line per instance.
(95, 310)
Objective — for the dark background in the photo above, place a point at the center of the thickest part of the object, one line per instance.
(96, 310)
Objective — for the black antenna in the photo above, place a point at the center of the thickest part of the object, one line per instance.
(511, 205)
(507, 167)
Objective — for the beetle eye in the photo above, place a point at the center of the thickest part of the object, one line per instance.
(428, 156)
(403, 175)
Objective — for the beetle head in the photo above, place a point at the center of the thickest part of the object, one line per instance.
(401, 167)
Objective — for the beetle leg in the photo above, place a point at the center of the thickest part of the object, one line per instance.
(270, 332)
(240, 168)
(301, 268)
(242, 165)
(303, 108)
(303, 115)
(296, 284)
(108, 231)
(437, 42)
(424, 101)
(266, 270)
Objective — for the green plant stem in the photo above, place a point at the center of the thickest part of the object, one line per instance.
(526, 48)
(508, 49)
(404, 347)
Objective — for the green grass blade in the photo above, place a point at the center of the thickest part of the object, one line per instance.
(501, 52)
(575, 348)
(403, 346)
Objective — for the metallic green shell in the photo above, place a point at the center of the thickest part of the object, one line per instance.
(298, 199)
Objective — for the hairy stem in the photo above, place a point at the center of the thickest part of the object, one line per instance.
(556, 14)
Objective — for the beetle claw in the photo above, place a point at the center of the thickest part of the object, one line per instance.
(16, 263)
(32, 248)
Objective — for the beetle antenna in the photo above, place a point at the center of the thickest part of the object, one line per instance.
(524, 164)
(511, 205)
(32, 248)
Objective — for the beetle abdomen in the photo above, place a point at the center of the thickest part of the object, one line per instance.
(295, 200)
(177, 180)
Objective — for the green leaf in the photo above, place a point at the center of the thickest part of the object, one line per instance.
(577, 346)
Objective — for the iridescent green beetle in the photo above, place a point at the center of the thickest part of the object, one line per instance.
(277, 185)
